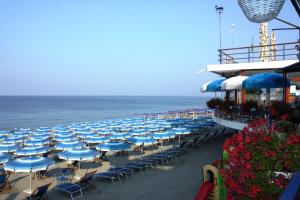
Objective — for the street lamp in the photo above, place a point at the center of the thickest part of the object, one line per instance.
(219, 10)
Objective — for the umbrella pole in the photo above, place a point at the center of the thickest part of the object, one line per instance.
(30, 184)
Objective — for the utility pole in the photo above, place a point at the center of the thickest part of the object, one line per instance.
(219, 10)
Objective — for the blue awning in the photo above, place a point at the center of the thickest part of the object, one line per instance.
(265, 80)
(215, 86)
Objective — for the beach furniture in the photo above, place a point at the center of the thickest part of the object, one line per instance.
(111, 175)
(40, 192)
(66, 176)
(72, 189)
(4, 184)
(86, 181)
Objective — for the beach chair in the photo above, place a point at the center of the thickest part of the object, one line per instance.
(4, 184)
(72, 189)
(111, 175)
(67, 176)
(40, 192)
(86, 181)
(73, 165)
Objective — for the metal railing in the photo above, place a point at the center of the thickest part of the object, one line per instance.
(282, 51)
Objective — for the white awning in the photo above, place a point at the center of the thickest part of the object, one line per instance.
(234, 83)
(204, 86)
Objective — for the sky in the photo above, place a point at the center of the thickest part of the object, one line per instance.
(117, 47)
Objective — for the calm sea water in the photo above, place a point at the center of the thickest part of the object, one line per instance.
(36, 111)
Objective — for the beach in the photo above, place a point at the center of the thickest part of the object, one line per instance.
(179, 179)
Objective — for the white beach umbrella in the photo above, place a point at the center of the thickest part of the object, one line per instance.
(233, 83)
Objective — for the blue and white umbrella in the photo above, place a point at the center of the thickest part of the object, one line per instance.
(63, 133)
(4, 133)
(68, 145)
(29, 164)
(2, 137)
(32, 150)
(85, 134)
(113, 146)
(78, 154)
(13, 140)
(4, 157)
(37, 141)
(119, 136)
(146, 140)
(162, 136)
(62, 138)
(97, 139)
(139, 132)
(181, 131)
(8, 147)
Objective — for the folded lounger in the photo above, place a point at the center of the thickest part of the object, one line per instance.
(72, 189)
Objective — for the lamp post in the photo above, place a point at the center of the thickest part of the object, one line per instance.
(219, 10)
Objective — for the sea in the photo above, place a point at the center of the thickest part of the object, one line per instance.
(36, 111)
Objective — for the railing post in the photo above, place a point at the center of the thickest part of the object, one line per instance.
(220, 55)
(283, 52)
(249, 54)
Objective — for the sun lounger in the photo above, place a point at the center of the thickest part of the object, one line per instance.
(86, 181)
(67, 176)
(72, 189)
(113, 176)
(40, 192)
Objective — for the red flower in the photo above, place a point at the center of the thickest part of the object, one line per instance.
(266, 138)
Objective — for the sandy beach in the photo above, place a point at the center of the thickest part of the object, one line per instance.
(179, 179)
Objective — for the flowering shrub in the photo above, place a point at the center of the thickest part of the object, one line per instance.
(254, 155)
(212, 103)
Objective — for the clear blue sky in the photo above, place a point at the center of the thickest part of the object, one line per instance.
(132, 47)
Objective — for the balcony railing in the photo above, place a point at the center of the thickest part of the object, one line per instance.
(282, 51)
(236, 115)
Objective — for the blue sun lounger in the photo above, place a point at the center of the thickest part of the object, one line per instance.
(112, 175)
(72, 189)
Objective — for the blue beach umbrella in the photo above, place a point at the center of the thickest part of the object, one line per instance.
(4, 157)
(113, 146)
(181, 131)
(8, 147)
(119, 136)
(29, 164)
(13, 140)
(265, 80)
(78, 154)
(215, 86)
(62, 138)
(32, 150)
(85, 134)
(97, 139)
(145, 140)
(138, 132)
(69, 145)
(163, 135)
(37, 141)
(4, 133)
